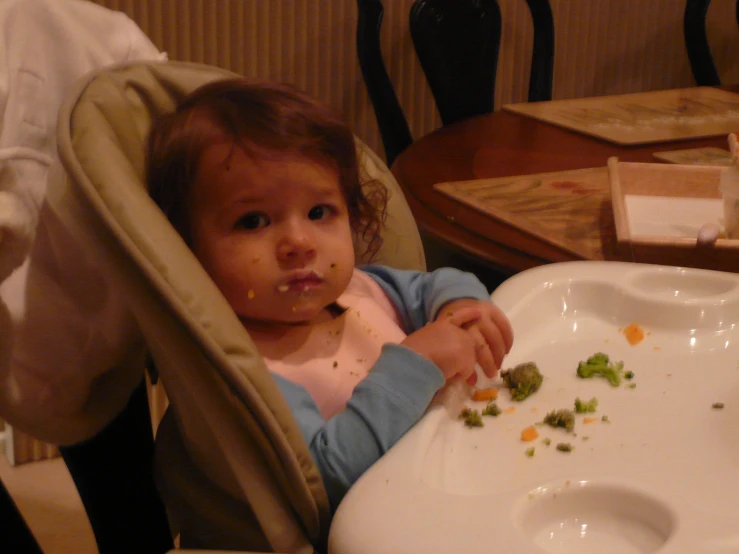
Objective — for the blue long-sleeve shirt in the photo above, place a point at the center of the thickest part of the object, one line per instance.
(396, 392)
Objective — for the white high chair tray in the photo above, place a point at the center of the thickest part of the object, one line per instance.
(662, 476)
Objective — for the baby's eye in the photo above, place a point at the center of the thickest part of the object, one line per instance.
(319, 212)
(252, 221)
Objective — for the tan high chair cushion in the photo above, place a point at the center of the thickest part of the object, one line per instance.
(232, 446)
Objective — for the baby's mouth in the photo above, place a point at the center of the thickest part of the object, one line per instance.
(301, 283)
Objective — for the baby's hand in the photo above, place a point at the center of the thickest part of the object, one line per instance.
(448, 344)
(491, 332)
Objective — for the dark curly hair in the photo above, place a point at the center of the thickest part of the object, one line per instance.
(261, 118)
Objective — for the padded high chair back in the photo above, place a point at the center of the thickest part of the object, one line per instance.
(238, 473)
(457, 43)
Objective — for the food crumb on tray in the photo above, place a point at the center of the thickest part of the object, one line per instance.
(490, 393)
(634, 334)
(529, 433)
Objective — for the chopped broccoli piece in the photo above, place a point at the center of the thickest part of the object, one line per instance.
(586, 407)
(547, 441)
(605, 419)
(565, 447)
(599, 365)
(491, 409)
(472, 418)
(629, 375)
(529, 452)
(717, 405)
(631, 386)
(523, 380)
(561, 418)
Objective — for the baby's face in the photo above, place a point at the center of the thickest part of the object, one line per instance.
(273, 234)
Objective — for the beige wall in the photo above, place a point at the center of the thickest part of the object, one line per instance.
(603, 47)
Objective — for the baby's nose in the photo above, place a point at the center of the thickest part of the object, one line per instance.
(297, 242)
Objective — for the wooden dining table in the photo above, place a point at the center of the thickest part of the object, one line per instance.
(503, 144)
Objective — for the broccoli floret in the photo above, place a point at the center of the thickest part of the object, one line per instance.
(472, 418)
(599, 365)
(523, 380)
(530, 452)
(586, 407)
(561, 418)
(491, 409)
(565, 447)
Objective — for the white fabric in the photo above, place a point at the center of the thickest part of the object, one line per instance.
(45, 47)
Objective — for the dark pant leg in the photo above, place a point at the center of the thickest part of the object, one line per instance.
(113, 472)
(16, 535)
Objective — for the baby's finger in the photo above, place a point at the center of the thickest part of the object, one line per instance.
(464, 316)
(483, 353)
(495, 340)
(504, 326)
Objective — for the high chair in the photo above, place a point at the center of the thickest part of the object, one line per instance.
(234, 469)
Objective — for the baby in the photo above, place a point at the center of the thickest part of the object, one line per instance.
(263, 184)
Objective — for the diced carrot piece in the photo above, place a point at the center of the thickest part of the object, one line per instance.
(587, 420)
(529, 434)
(485, 394)
(634, 334)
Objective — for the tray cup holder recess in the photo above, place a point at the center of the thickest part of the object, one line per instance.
(582, 518)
